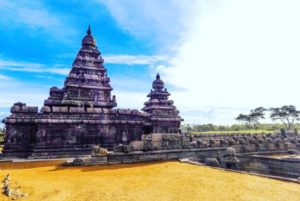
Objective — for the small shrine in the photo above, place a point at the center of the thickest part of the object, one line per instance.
(163, 132)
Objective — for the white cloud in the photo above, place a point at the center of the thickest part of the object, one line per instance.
(24, 66)
(34, 15)
(21, 66)
(130, 92)
(160, 22)
(243, 54)
(231, 54)
(4, 77)
(130, 99)
(216, 115)
(18, 91)
(131, 83)
(127, 59)
(134, 59)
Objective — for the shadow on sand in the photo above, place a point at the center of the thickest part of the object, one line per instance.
(109, 167)
(58, 165)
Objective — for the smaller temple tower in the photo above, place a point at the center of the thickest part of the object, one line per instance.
(163, 114)
(163, 130)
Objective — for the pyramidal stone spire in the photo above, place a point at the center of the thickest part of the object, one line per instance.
(163, 113)
(89, 41)
(89, 32)
(157, 76)
(87, 84)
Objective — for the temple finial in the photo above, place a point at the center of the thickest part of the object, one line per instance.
(89, 30)
(157, 76)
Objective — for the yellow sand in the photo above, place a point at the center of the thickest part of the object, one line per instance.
(145, 181)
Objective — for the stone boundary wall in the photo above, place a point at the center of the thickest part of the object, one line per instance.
(272, 166)
(164, 155)
(200, 154)
(140, 156)
(219, 135)
(243, 143)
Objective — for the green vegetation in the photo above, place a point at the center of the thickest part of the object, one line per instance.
(254, 117)
(233, 132)
(235, 128)
(1, 136)
(287, 115)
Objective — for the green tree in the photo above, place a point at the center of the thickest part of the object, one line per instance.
(2, 131)
(221, 128)
(252, 118)
(186, 128)
(287, 114)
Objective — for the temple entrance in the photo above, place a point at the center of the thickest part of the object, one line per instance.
(228, 166)
(29, 136)
(32, 135)
(147, 129)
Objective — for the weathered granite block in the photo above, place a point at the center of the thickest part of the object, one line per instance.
(45, 109)
(97, 159)
(137, 145)
(172, 156)
(60, 109)
(280, 146)
(271, 146)
(262, 147)
(253, 147)
(290, 146)
(76, 110)
(94, 110)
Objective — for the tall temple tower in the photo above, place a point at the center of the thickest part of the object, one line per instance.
(87, 84)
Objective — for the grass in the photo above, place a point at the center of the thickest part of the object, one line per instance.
(234, 132)
(1, 139)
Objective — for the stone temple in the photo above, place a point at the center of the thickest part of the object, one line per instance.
(82, 114)
(80, 121)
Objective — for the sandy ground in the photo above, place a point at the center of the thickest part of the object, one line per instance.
(145, 181)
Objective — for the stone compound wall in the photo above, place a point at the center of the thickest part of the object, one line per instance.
(244, 143)
(154, 148)
(270, 166)
(141, 156)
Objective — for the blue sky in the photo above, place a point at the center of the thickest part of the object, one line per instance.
(217, 58)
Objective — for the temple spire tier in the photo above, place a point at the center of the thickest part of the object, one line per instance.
(89, 41)
(87, 83)
(163, 113)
